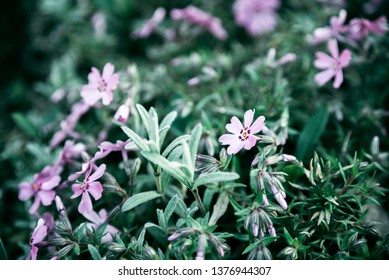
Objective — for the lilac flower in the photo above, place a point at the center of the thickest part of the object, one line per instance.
(107, 147)
(123, 113)
(97, 220)
(333, 64)
(242, 136)
(70, 151)
(100, 86)
(360, 28)
(151, 24)
(89, 186)
(256, 16)
(38, 235)
(335, 29)
(198, 17)
(41, 188)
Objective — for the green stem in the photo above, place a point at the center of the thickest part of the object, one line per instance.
(199, 201)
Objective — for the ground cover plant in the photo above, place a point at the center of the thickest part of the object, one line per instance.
(161, 130)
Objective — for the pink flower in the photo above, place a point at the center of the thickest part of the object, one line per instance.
(89, 186)
(151, 24)
(333, 65)
(256, 16)
(360, 28)
(97, 220)
(198, 17)
(41, 188)
(122, 114)
(242, 136)
(38, 235)
(100, 86)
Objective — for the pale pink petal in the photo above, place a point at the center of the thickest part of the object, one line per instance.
(107, 97)
(113, 82)
(228, 139)
(324, 76)
(323, 60)
(248, 118)
(51, 183)
(90, 94)
(262, 23)
(25, 191)
(235, 126)
(321, 34)
(235, 148)
(32, 255)
(46, 197)
(77, 190)
(94, 76)
(85, 204)
(345, 58)
(96, 190)
(108, 71)
(338, 79)
(98, 173)
(250, 142)
(333, 48)
(40, 232)
(257, 125)
(35, 206)
(93, 217)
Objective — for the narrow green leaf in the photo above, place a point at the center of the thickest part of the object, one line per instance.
(192, 223)
(288, 237)
(250, 248)
(135, 138)
(237, 207)
(311, 133)
(215, 178)
(25, 124)
(94, 252)
(165, 125)
(138, 199)
(178, 141)
(161, 219)
(219, 208)
(167, 166)
(145, 117)
(194, 142)
(170, 207)
(154, 128)
(3, 253)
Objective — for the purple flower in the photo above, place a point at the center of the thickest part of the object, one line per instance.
(256, 16)
(38, 235)
(107, 147)
(198, 17)
(89, 187)
(151, 24)
(97, 220)
(100, 86)
(242, 136)
(333, 64)
(360, 28)
(41, 188)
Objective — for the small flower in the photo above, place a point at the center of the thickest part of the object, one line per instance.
(256, 16)
(97, 220)
(41, 188)
(360, 28)
(122, 114)
(151, 24)
(333, 65)
(100, 86)
(89, 186)
(198, 17)
(243, 136)
(37, 236)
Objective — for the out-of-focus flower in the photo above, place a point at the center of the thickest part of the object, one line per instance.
(333, 64)
(107, 147)
(272, 62)
(89, 187)
(360, 28)
(37, 236)
(70, 151)
(41, 188)
(198, 17)
(100, 86)
(151, 24)
(337, 26)
(97, 220)
(123, 113)
(256, 16)
(242, 136)
(99, 24)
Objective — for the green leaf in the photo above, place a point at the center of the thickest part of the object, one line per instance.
(215, 178)
(170, 207)
(311, 133)
(176, 142)
(145, 117)
(237, 207)
(219, 208)
(288, 237)
(167, 166)
(135, 138)
(165, 125)
(154, 128)
(25, 125)
(94, 252)
(3, 253)
(138, 199)
(161, 219)
(194, 142)
(250, 248)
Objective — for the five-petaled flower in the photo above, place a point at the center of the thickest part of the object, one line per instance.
(89, 186)
(242, 136)
(100, 86)
(41, 188)
(333, 64)
(99, 219)
(37, 236)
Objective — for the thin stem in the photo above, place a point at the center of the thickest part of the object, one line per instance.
(199, 201)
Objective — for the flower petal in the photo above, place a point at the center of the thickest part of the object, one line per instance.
(85, 203)
(107, 97)
(113, 82)
(257, 125)
(108, 71)
(228, 139)
(94, 76)
(51, 183)
(323, 60)
(77, 190)
(248, 118)
(235, 126)
(90, 94)
(324, 76)
(345, 58)
(333, 48)
(96, 190)
(93, 217)
(250, 142)
(46, 197)
(98, 173)
(338, 79)
(235, 148)
(40, 232)
(25, 191)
